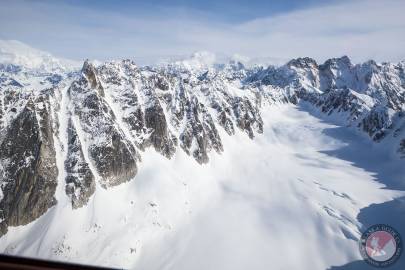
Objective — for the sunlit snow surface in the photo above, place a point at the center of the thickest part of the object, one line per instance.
(18, 53)
(285, 200)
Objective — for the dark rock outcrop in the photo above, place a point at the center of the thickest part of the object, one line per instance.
(248, 117)
(29, 171)
(80, 181)
(200, 134)
(160, 137)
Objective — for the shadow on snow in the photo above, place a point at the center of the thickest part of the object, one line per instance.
(385, 169)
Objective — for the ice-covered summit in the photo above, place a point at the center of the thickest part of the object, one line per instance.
(17, 53)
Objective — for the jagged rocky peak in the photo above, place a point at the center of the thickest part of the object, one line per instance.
(342, 62)
(112, 154)
(88, 68)
(89, 71)
(303, 62)
(367, 96)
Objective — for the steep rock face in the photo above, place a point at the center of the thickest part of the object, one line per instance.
(200, 134)
(337, 73)
(112, 154)
(29, 172)
(12, 101)
(156, 125)
(377, 122)
(165, 107)
(344, 101)
(137, 105)
(159, 137)
(80, 181)
(122, 88)
(306, 71)
(248, 117)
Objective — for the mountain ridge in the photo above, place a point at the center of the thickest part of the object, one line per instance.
(103, 117)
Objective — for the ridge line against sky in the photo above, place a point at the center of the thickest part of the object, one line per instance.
(149, 31)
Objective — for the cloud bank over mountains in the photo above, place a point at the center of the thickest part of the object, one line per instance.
(361, 29)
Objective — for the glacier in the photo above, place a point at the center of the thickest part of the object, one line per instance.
(197, 164)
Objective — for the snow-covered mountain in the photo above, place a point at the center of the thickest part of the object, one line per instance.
(19, 54)
(70, 137)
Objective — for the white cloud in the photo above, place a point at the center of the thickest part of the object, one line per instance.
(360, 29)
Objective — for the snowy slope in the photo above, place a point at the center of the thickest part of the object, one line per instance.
(290, 198)
(161, 166)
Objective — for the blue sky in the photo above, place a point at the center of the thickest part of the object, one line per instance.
(150, 30)
(225, 10)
